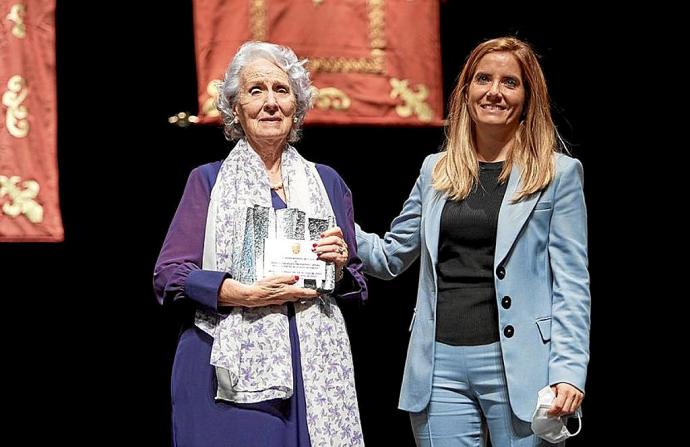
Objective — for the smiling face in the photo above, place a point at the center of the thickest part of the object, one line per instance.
(266, 103)
(496, 94)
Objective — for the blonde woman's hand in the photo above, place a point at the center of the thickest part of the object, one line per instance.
(567, 401)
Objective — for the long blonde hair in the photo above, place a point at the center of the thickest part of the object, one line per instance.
(457, 171)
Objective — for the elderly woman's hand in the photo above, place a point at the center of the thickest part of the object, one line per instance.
(271, 290)
(332, 248)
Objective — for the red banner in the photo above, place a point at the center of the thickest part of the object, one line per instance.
(29, 201)
(373, 61)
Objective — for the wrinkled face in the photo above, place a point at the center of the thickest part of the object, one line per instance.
(496, 93)
(266, 103)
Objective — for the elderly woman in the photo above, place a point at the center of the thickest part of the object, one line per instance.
(265, 363)
(503, 305)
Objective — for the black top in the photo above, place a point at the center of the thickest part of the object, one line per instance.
(467, 313)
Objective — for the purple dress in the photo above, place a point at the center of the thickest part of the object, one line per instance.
(198, 420)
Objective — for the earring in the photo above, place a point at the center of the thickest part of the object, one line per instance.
(295, 120)
(235, 120)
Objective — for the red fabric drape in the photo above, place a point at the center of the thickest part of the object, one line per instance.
(29, 207)
(373, 61)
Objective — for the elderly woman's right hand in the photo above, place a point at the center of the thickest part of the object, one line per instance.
(271, 290)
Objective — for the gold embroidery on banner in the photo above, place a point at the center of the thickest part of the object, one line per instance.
(16, 15)
(21, 200)
(209, 106)
(376, 24)
(16, 118)
(257, 19)
(317, 2)
(413, 102)
(374, 63)
(332, 98)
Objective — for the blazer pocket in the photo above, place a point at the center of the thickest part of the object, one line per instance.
(545, 205)
(544, 325)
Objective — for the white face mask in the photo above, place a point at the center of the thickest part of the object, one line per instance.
(551, 428)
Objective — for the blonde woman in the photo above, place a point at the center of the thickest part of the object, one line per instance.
(499, 220)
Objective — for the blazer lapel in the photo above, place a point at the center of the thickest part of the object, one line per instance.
(432, 224)
(511, 216)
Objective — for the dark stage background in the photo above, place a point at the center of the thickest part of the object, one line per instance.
(87, 350)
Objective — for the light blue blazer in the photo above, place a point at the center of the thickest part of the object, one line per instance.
(540, 263)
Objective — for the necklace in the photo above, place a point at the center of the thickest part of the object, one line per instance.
(277, 187)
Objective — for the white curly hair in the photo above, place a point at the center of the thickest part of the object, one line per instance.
(284, 58)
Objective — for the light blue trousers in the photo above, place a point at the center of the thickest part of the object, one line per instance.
(469, 395)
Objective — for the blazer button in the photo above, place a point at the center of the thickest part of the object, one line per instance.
(506, 302)
(501, 272)
(509, 331)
